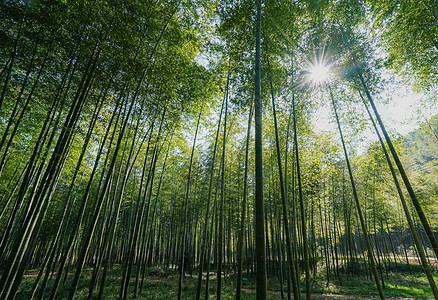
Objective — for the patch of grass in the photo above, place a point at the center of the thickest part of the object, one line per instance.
(403, 281)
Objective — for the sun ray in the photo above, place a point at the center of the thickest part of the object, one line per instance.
(319, 73)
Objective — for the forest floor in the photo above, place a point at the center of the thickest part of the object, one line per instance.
(401, 281)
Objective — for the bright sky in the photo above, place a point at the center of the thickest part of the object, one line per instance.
(400, 107)
(319, 73)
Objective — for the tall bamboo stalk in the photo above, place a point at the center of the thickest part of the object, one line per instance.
(261, 283)
(358, 207)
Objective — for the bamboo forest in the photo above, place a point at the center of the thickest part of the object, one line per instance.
(218, 149)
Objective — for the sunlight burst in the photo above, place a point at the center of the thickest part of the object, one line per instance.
(319, 73)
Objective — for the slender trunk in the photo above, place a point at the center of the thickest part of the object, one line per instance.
(406, 209)
(41, 196)
(359, 210)
(142, 210)
(20, 117)
(69, 197)
(301, 199)
(221, 206)
(259, 210)
(116, 115)
(184, 217)
(91, 228)
(207, 212)
(12, 60)
(210, 241)
(391, 147)
(20, 94)
(243, 213)
(296, 289)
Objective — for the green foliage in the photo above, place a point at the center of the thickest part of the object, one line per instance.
(168, 60)
(409, 34)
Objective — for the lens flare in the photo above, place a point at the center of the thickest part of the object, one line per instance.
(319, 73)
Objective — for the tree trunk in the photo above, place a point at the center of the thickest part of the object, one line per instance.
(207, 212)
(222, 201)
(359, 210)
(406, 181)
(184, 216)
(243, 211)
(405, 208)
(259, 210)
(302, 210)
